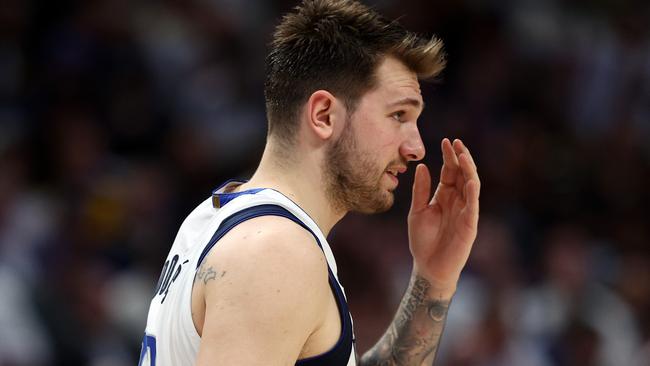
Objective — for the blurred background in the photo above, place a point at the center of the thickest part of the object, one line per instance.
(118, 117)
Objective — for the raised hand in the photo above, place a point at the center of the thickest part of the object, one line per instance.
(442, 229)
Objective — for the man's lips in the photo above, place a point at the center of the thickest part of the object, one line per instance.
(394, 171)
(393, 178)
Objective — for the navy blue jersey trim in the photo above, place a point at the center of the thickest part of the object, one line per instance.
(339, 354)
(241, 181)
(219, 199)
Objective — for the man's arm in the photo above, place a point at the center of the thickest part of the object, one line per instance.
(267, 297)
(414, 335)
(441, 233)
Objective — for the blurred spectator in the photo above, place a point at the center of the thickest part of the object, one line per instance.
(580, 320)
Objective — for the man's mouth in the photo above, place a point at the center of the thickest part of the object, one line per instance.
(394, 171)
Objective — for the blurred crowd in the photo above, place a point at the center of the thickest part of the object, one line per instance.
(118, 117)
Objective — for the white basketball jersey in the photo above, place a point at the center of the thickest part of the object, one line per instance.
(170, 336)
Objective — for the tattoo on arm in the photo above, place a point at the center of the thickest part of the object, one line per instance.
(414, 335)
(206, 274)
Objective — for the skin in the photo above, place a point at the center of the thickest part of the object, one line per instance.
(357, 162)
(273, 305)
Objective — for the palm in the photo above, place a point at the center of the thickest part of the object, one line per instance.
(442, 230)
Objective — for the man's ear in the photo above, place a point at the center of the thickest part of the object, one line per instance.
(324, 111)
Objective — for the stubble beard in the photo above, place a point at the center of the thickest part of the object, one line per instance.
(353, 179)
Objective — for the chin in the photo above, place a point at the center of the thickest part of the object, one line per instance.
(379, 204)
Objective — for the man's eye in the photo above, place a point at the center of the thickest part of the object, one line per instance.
(398, 115)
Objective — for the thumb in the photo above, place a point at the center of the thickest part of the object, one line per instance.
(421, 188)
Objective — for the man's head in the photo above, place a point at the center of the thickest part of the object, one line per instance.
(369, 65)
(335, 45)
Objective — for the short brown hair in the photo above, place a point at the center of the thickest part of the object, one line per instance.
(336, 45)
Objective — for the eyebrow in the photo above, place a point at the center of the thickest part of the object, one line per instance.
(408, 101)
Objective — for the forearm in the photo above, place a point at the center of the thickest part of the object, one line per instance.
(413, 336)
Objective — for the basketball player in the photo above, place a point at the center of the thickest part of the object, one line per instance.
(250, 278)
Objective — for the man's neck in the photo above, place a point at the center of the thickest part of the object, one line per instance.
(302, 182)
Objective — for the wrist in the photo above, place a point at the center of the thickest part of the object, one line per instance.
(436, 289)
(442, 293)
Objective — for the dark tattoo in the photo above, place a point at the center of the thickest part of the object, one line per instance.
(207, 274)
(414, 335)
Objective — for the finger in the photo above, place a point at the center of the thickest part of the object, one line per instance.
(468, 168)
(473, 189)
(421, 188)
(460, 147)
(449, 169)
(461, 179)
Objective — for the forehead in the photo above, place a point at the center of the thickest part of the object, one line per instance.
(394, 82)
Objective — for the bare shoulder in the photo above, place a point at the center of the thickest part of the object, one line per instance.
(265, 292)
(269, 243)
(268, 253)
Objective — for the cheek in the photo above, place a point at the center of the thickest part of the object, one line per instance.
(378, 137)
(388, 143)
(379, 146)
(386, 137)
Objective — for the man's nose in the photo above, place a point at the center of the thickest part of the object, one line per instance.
(413, 148)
